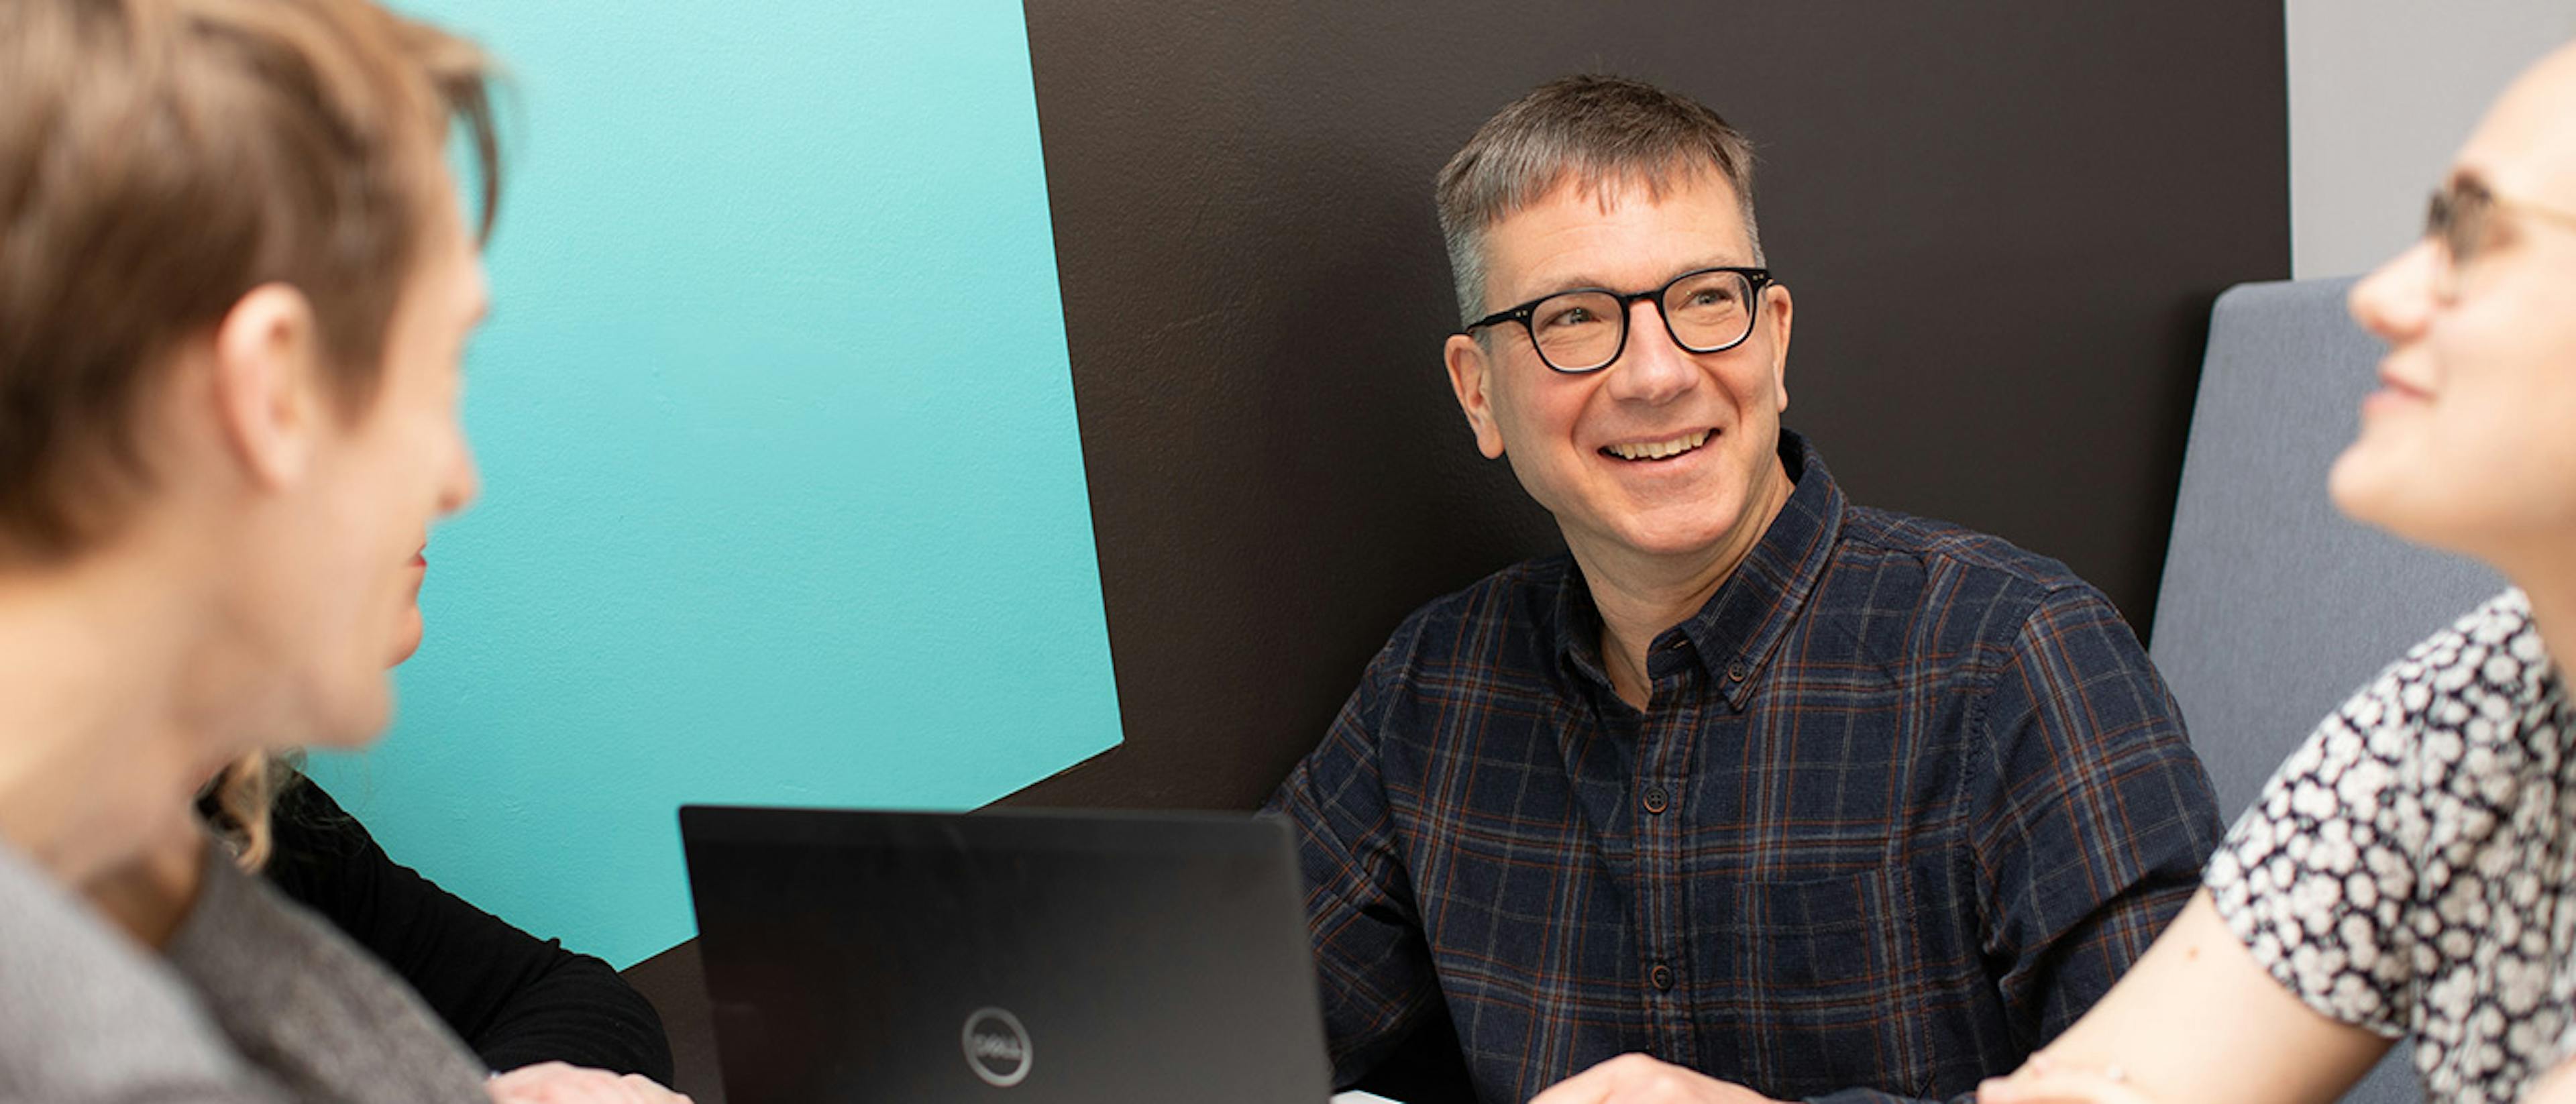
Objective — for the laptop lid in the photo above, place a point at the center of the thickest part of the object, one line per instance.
(1013, 957)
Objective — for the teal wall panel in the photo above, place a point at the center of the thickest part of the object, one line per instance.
(784, 498)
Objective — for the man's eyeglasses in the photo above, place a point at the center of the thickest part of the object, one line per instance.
(1706, 311)
(2462, 220)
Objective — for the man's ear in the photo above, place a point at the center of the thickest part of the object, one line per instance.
(1470, 376)
(1777, 298)
(268, 386)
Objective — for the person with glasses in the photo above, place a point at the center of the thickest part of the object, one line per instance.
(2408, 878)
(1755, 792)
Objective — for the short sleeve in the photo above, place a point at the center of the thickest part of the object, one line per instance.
(2315, 877)
(2342, 876)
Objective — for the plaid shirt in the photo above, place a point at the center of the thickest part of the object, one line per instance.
(1907, 801)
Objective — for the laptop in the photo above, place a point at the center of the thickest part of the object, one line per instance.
(1009, 957)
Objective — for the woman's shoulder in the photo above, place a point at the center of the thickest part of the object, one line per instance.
(281, 981)
(2484, 679)
(2444, 743)
(2494, 647)
(2447, 732)
(86, 1014)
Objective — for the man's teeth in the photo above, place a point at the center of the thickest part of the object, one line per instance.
(1657, 450)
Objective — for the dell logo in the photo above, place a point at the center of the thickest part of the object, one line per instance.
(997, 1047)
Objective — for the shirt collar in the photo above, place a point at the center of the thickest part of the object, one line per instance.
(1735, 632)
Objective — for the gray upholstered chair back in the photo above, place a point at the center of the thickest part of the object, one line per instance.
(2275, 608)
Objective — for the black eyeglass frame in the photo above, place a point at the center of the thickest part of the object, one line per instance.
(1756, 279)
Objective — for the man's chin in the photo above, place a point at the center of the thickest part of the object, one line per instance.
(1674, 543)
(1681, 531)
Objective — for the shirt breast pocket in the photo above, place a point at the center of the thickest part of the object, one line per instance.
(1813, 986)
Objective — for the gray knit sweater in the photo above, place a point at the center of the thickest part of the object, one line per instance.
(253, 1002)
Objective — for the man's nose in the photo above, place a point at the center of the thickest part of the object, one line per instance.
(1652, 369)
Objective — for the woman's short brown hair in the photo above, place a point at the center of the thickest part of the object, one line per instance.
(159, 159)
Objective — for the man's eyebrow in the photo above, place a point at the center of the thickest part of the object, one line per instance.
(1579, 282)
(1545, 288)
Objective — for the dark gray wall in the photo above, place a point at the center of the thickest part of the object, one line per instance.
(2004, 224)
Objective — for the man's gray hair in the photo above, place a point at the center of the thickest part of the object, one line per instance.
(1595, 131)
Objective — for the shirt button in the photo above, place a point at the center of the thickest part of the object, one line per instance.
(1657, 800)
(1735, 671)
(1662, 976)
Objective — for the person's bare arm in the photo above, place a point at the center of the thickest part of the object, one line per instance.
(2198, 1020)
(2557, 1087)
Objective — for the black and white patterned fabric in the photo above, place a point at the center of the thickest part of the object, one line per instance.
(2408, 869)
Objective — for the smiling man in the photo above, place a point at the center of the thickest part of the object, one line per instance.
(1756, 793)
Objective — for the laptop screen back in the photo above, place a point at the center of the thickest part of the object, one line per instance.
(1045, 958)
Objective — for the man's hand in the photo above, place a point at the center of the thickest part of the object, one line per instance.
(2041, 1081)
(1638, 1079)
(557, 1083)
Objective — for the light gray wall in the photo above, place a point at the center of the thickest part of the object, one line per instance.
(2382, 92)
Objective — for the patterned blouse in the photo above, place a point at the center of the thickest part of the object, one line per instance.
(2409, 870)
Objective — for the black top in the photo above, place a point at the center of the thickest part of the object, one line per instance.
(514, 998)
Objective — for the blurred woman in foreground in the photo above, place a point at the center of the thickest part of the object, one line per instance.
(235, 283)
(2411, 871)
(514, 999)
